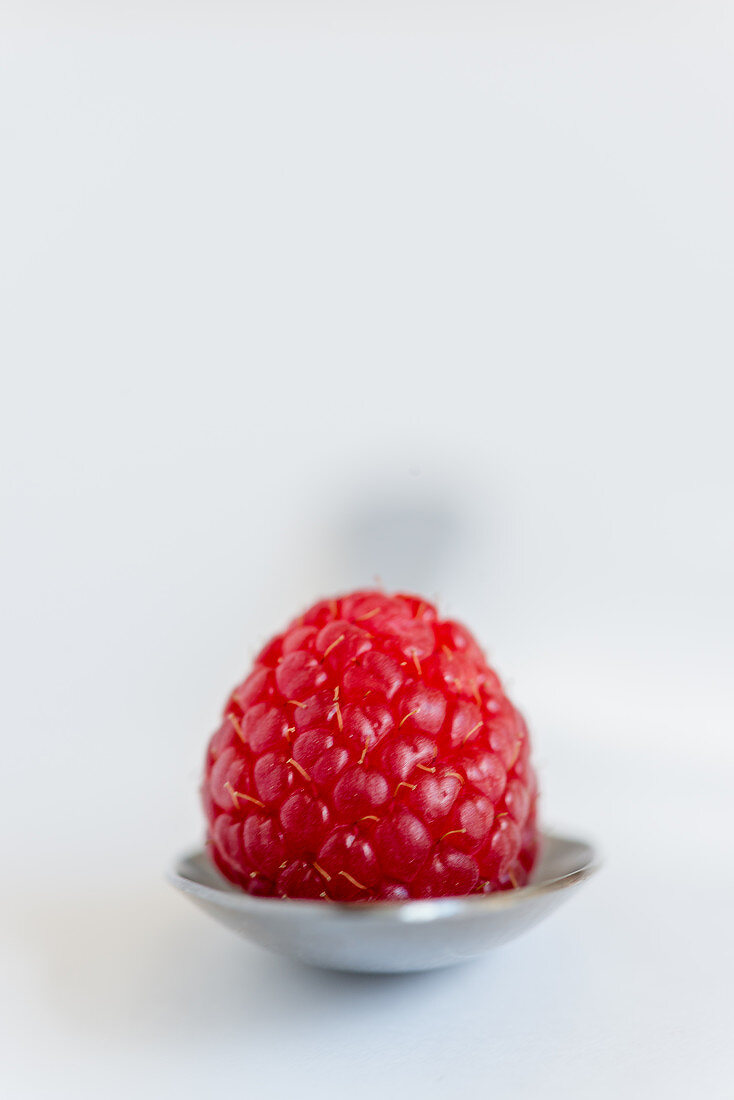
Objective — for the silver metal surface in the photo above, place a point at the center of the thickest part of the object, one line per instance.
(389, 937)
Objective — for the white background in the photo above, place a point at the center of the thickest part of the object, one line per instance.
(294, 296)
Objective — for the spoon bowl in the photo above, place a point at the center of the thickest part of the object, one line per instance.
(389, 937)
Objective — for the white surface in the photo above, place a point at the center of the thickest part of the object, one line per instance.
(262, 275)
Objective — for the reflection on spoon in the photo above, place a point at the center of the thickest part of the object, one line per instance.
(389, 937)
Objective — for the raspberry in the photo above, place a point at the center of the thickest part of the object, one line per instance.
(371, 754)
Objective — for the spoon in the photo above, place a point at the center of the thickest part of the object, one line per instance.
(389, 937)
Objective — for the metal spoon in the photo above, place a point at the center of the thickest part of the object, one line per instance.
(389, 937)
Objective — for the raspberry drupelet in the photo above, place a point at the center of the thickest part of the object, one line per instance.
(371, 754)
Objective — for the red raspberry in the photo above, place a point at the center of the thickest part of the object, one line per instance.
(371, 754)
